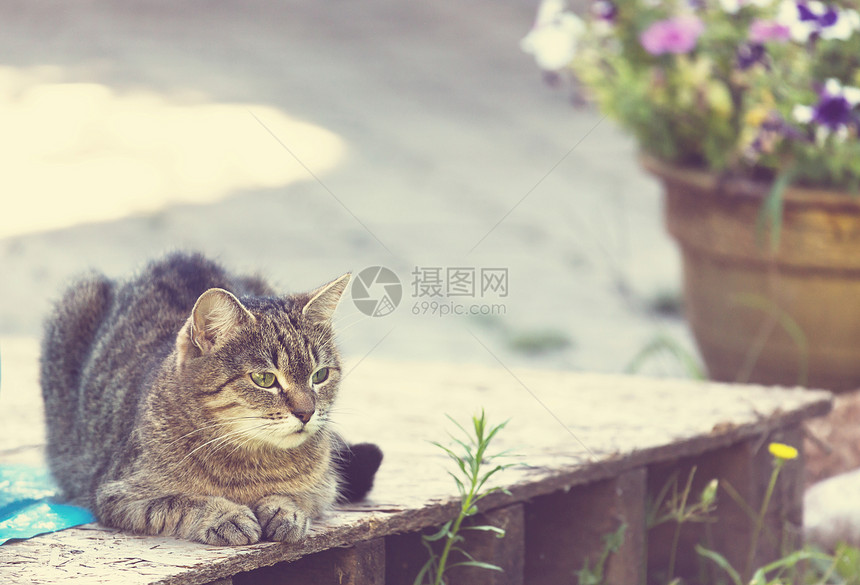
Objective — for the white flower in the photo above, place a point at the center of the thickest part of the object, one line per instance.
(833, 114)
(802, 114)
(554, 37)
(733, 6)
(804, 19)
(789, 16)
(832, 87)
(846, 25)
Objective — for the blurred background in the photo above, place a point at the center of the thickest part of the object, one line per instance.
(301, 140)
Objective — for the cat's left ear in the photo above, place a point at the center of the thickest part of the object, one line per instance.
(216, 314)
(325, 299)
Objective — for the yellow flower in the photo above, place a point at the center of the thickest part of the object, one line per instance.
(755, 116)
(782, 451)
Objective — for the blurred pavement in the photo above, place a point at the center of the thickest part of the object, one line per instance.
(410, 134)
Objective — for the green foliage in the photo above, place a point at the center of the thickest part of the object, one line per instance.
(612, 542)
(475, 466)
(665, 346)
(847, 564)
(702, 107)
(674, 506)
(538, 342)
(779, 317)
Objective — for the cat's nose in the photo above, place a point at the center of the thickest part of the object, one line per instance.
(304, 415)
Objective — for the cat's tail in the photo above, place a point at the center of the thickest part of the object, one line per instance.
(358, 465)
(68, 339)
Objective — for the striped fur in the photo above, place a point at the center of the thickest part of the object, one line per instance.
(154, 421)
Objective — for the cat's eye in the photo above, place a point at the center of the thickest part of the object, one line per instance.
(320, 376)
(263, 379)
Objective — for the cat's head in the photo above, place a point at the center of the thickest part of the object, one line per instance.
(266, 370)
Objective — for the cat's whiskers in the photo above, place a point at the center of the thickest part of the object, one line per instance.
(253, 434)
(246, 436)
(221, 439)
(241, 445)
(338, 410)
(212, 425)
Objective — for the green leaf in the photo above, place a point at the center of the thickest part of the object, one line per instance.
(458, 425)
(847, 563)
(587, 576)
(466, 448)
(614, 540)
(460, 487)
(652, 515)
(463, 552)
(495, 430)
(478, 564)
(721, 562)
(425, 570)
(443, 532)
(788, 324)
(499, 531)
(770, 214)
(664, 345)
(791, 560)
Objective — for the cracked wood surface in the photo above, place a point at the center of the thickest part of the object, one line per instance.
(566, 429)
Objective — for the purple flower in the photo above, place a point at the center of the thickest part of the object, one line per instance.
(762, 31)
(811, 19)
(751, 53)
(605, 10)
(771, 132)
(827, 17)
(674, 35)
(834, 112)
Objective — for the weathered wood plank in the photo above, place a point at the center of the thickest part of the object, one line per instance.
(508, 553)
(599, 427)
(406, 554)
(566, 530)
(362, 564)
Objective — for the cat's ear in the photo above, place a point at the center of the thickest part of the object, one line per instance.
(324, 300)
(216, 313)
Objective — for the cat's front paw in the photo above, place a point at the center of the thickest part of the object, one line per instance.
(233, 527)
(281, 519)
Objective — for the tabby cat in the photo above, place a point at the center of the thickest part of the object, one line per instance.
(193, 403)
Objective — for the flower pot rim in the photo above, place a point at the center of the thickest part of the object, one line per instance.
(709, 181)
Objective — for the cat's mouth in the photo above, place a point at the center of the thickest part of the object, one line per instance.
(288, 435)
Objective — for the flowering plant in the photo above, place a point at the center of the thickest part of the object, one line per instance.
(754, 88)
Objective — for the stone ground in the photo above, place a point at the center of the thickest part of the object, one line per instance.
(456, 155)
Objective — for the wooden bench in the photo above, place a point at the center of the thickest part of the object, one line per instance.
(592, 450)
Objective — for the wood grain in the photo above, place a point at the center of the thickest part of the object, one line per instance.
(567, 429)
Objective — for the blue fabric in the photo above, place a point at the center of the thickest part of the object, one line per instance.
(27, 507)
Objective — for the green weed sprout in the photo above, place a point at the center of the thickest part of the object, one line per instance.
(472, 462)
(680, 508)
(612, 542)
(781, 453)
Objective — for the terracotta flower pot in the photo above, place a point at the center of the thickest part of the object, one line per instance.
(786, 316)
